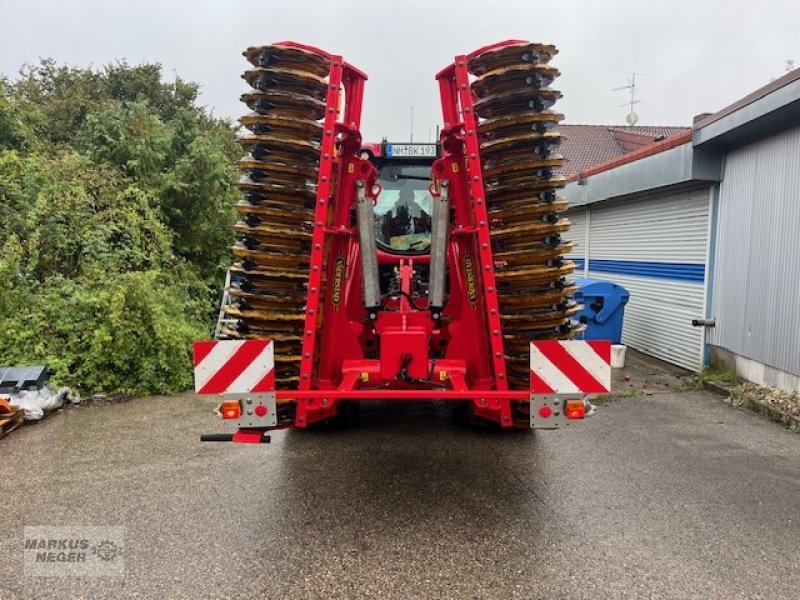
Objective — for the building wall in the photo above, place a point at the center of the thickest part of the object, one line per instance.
(656, 247)
(756, 290)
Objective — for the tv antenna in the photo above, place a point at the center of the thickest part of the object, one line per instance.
(631, 118)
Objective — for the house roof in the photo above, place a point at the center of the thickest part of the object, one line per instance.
(771, 108)
(585, 146)
(765, 90)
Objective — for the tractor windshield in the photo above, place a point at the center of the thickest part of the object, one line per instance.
(403, 211)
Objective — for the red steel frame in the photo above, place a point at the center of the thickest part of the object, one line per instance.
(457, 101)
(474, 362)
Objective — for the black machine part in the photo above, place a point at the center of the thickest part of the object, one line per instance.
(15, 379)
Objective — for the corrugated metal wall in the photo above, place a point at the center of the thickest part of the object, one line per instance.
(756, 292)
(577, 233)
(656, 247)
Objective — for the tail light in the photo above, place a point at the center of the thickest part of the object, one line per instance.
(231, 409)
(574, 409)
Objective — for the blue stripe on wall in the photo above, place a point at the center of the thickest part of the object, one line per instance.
(663, 270)
(692, 272)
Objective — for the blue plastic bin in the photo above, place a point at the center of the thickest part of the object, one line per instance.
(603, 309)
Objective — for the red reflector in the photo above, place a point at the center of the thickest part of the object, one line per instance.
(260, 410)
(575, 409)
(231, 409)
(545, 412)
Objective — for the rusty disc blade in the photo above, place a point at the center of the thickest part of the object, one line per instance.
(513, 54)
(282, 125)
(544, 312)
(282, 200)
(522, 189)
(274, 233)
(279, 278)
(279, 260)
(525, 165)
(270, 299)
(288, 57)
(519, 145)
(527, 178)
(534, 275)
(260, 170)
(540, 197)
(268, 238)
(531, 254)
(288, 104)
(524, 211)
(519, 100)
(527, 299)
(259, 273)
(271, 251)
(506, 79)
(285, 320)
(529, 230)
(282, 148)
(519, 123)
(525, 242)
(286, 80)
(291, 193)
(279, 177)
(282, 213)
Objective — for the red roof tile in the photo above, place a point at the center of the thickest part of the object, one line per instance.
(649, 150)
(585, 146)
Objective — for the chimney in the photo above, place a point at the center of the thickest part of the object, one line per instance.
(700, 117)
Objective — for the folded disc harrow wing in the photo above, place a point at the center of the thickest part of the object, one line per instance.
(351, 319)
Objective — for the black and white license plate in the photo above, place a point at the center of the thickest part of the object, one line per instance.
(411, 150)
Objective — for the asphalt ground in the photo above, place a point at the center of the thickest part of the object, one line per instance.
(671, 495)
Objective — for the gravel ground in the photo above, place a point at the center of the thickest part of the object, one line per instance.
(661, 496)
(785, 402)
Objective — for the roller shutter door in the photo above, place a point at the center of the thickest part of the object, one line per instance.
(577, 235)
(656, 248)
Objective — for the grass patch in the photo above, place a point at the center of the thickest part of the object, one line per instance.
(607, 399)
(709, 375)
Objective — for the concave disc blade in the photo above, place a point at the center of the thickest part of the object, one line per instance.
(512, 54)
(288, 57)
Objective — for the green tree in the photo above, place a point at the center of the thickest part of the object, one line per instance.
(131, 138)
(116, 196)
(197, 205)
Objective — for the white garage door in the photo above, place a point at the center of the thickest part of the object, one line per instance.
(656, 248)
(577, 235)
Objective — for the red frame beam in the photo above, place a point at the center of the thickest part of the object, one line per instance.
(340, 144)
(459, 114)
(326, 160)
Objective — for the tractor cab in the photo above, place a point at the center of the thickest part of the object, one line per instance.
(403, 208)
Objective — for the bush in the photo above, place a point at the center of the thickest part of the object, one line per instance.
(116, 218)
(129, 335)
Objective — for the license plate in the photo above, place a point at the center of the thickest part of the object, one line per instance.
(411, 150)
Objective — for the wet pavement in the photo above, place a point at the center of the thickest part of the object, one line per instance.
(666, 495)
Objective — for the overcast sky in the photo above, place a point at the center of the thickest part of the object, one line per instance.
(693, 55)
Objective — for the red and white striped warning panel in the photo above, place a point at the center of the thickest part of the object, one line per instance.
(234, 366)
(571, 367)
